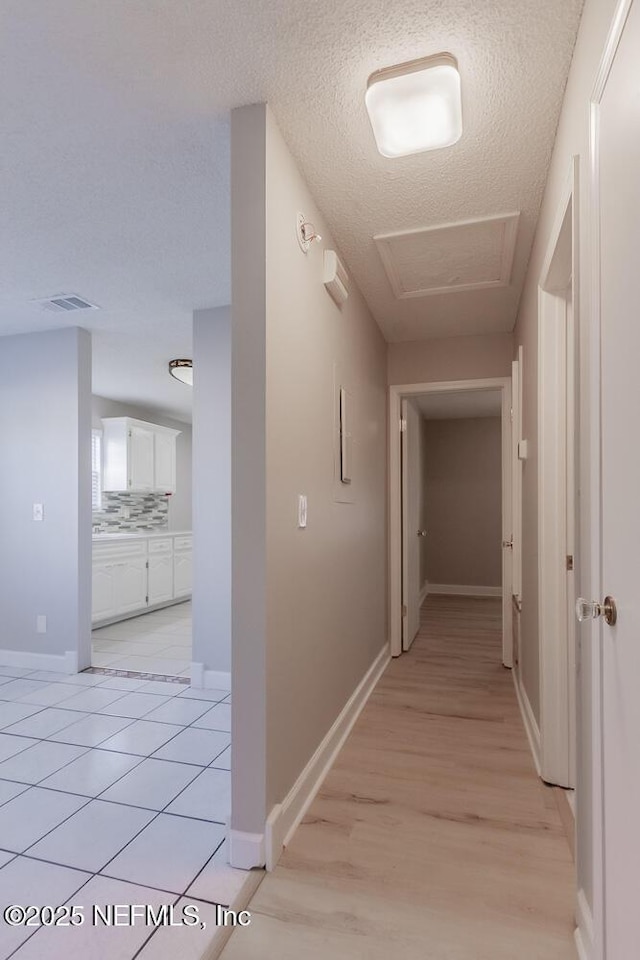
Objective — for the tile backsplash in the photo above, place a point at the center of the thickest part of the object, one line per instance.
(147, 511)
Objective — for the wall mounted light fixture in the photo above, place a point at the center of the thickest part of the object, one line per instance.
(182, 370)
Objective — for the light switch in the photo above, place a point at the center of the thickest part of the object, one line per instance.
(41, 623)
(302, 511)
(38, 511)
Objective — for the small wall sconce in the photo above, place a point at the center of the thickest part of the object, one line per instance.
(335, 277)
(305, 232)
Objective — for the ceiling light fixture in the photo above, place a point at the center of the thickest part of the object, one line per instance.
(415, 106)
(182, 370)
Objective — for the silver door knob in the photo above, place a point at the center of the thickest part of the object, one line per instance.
(508, 543)
(422, 533)
(591, 610)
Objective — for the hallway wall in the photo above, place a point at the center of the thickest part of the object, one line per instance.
(309, 605)
(572, 139)
(463, 501)
(450, 358)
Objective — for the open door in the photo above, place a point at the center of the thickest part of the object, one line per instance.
(411, 532)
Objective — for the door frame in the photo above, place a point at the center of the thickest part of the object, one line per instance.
(398, 392)
(590, 933)
(558, 287)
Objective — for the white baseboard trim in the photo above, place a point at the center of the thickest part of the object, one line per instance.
(584, 927)
(424, 592)
(285, 816)
(66, 662)
(246, 850)
(456, 589)
(203, 679)
(529, 720)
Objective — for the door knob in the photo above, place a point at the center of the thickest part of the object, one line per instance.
(508, 543)
(422, 533)
(591, 610)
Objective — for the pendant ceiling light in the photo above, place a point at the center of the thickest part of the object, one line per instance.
(182, 370)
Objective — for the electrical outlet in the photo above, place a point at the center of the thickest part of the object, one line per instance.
(41, 623)
(38, 511)
(125, 511)
(302, 511)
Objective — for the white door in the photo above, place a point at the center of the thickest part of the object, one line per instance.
(131, 584)
(618, 144)
(140, 459)
(411, 531)
(160, 578)
(103, 603)
(165, 463)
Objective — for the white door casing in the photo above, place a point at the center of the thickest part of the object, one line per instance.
(411, 499)
(615, 533)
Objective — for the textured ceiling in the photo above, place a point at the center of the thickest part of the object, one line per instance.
(114, 132)
(460, 406)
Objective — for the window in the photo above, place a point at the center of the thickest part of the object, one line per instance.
(96, 470)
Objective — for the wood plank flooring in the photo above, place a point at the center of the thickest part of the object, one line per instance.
(432, 837)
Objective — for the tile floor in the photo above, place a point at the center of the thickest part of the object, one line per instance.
(112, 790)
(157, 642)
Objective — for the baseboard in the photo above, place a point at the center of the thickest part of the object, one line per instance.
(203, 679)
(66, 662)
(121, 617)
(424, 593)
(529, 720)
(239, 902)
(584, 927)
(459, 590)
(246, 850)
(285, 816)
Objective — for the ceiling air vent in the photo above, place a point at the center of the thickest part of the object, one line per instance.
(65, 303)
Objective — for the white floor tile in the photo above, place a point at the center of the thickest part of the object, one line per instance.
(152, 664)
(99, 659)
(10, 746)
(92, 773)
(92, 836)
(44, 723)
(9, 790)
(152, 784)
(218, 882)
(15, 671)
(76, 679)
(134, 705)
(162, 687)
(208, 797)
(217, 718)
(12, 712)
(213, 696)
(18, 688)
(33, 813)
(223, 762)
(49, 694)
(98, 942)
(194, 746)
(142, 738)
(126, 684)
(39, 761)
(185, 942)
(91, 730)
(95, 699)
(169, 853)
(179, 710)
(25, 881)
(5, 857)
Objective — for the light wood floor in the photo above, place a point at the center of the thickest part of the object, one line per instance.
(432, 837)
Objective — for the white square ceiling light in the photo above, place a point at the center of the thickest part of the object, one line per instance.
(416, 106)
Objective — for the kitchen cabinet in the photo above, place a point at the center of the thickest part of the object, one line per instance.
(139, 457)
(182, 567)
(160, 587)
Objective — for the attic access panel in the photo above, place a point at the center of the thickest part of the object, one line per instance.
(468, 255)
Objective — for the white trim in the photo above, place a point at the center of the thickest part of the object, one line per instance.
(285, 816)
(204, 679)
(557, 323)
(66, 662)
(396, 394)
(424, 593)
(584, 928)
(528, 718)
(246, 850)
(464, 591)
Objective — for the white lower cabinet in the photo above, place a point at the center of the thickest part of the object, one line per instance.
(129, 576)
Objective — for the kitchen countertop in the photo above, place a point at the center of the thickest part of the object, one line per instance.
(138, 535)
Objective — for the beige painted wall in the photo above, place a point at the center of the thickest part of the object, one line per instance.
(572, 139)
(309, 606)
(463, 501)
(450, 358)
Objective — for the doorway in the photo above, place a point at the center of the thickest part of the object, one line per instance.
(406, 519)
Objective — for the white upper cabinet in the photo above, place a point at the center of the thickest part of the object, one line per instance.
(139, 457)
